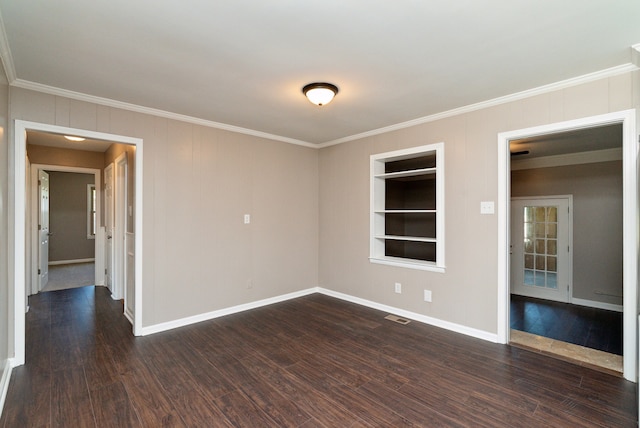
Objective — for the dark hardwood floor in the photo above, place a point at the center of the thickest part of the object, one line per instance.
(310, 362)
(590, 327)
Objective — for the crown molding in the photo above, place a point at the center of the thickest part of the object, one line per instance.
(635, 54)
(5, 54)
(19, 83)
(609, 72)
(51, 90)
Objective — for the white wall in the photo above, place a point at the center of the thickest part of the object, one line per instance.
(466, 294)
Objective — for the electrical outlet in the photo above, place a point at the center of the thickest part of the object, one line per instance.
(398, 288)
(427, 295)
(487, 207)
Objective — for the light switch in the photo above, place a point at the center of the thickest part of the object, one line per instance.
(247, 218)
(487, 207)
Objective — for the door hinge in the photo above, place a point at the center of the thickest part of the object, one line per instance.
(39, 183)
(39, 227)
(105, 271)
(38, 271)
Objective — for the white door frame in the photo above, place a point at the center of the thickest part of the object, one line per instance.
(108, 229)
(17, 225)
(630, 227)
(120, 226)
(32, 280)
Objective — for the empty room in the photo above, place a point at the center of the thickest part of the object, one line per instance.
(301, 213)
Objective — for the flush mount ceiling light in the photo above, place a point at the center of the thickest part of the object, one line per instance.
(72, 138)
(320, 93)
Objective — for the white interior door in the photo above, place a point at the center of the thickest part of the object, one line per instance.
(541, 247)
(43, 228)
(108, 225)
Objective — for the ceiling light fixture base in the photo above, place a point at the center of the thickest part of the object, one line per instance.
(320, 93)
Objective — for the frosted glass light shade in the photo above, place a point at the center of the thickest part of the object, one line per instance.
(320, 93)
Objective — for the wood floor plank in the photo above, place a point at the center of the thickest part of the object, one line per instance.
(348, 358)
(113, 408)
(414, 411)
(471, 409)
(366, 410)
(149, 399)
(309, 362)
(70, 399)
(28, 400)
(324, 410)
(197, 411)
(242, 412)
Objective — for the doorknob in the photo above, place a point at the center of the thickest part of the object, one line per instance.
(108, 236)
(50, 233)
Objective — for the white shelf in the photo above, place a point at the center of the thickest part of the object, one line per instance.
(409, 173)
(405, 238)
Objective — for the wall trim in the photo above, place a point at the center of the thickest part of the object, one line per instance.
(5, 56)
(169, 325)
(70, 262)
(586, 78)
(108, 102)
(457, 328)
(4, 382)
(436, 322)
(596, 304)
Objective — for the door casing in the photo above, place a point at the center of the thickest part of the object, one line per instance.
(108, 229)
(32, 280)
(630, 227)
(17, 244)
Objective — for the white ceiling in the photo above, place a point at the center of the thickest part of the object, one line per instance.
(243, 63)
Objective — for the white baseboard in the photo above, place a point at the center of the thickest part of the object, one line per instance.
(458, 328)
(70, 262)
(157, 328)
(598, 305)
(4, 382)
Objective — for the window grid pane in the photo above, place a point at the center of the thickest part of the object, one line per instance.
(540, 246)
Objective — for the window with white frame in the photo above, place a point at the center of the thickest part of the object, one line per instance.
(407, 208)
(91, 211)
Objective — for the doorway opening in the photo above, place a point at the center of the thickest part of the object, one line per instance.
(625, 155)
(71, 247)
(21, 247)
